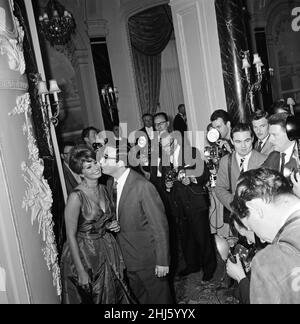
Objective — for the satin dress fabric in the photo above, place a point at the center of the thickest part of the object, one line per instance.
(100, 256)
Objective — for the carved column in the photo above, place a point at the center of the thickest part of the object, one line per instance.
(199, 57)
(233, 39)
(25, 197)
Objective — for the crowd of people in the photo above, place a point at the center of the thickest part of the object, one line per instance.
(136, 206)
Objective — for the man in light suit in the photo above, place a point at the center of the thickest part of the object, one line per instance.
(243, 159)
(260, 127)
(144, 233)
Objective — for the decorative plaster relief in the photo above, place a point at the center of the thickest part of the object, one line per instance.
(13, 48)
(38, 196)
(13, 85)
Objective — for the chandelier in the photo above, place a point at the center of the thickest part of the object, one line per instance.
(57, 24)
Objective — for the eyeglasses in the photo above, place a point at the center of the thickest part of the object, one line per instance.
(159, 124)
(106, 157)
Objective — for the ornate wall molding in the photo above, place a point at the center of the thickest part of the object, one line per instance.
(13, 85)
(97, 27)
(38, 196)
(13, 47)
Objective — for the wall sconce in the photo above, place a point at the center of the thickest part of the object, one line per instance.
(110, 97)
(254, 79)
(45, 99)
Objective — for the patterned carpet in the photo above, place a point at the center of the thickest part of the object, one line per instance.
(191, 289)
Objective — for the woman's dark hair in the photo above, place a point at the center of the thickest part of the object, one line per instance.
(78, 156)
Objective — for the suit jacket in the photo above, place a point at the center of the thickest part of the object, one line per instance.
(144, 234)
(222, 189)
(179, 124)
(273, 161)
(194, 196)
(267, 148)
(71, 182)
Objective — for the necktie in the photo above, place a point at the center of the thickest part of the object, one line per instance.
(282, 162)
(115, 195)
(259, 146)
(159, 171)
(242, 165)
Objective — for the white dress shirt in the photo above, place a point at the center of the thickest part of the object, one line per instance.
(120, 186)
(288, 153)
(150, 132)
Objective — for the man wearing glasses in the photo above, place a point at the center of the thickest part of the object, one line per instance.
(144, 233)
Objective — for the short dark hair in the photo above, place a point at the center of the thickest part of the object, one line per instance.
(220, 114)
(86, 132)
(261, 183)
(279, 119)
(280, 106)
(146, 115)
(181, 105)
(259, 114)
(65, 144)
(79, 155)
(241, 127)
(163, 114)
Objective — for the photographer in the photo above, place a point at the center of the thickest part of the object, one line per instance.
(189, 201)
(265, 203)
(240, 268)
(220, 121)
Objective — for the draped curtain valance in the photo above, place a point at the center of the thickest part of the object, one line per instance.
(150, 30)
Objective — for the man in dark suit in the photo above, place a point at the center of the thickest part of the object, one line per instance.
(285, 157)
(260, 127)
(144, 233)
(72, 179)
(180, 123)
(189, 203)
(143, 138)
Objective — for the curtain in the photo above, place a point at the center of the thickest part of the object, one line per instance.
(150, 32)
(171, 94)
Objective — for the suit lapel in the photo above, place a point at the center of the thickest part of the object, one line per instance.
(128, 185)
(235, 170)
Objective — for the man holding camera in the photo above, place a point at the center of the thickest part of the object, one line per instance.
(220, 121)
(264, 203)
(189, 201)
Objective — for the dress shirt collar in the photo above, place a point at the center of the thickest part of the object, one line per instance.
(149, 131)
(289, 152)
(263, 142)
(120, 186)
(246, 160)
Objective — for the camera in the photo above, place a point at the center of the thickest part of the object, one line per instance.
(96, 146)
